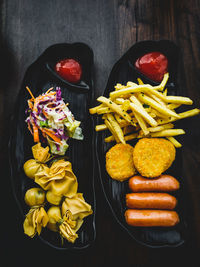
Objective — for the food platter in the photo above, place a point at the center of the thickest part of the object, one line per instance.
(115, 191)
(40, 76)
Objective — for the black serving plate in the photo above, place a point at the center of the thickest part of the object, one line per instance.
(39, 78)
(115, 191)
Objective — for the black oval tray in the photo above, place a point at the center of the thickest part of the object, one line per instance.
(115, 191)
(39, 77)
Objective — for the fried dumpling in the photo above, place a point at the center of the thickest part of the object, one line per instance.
(78, 208)
(59, 178)
(65, 225)
(34, 221)
(37, 217)
(41, 155)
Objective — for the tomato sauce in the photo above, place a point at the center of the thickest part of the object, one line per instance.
(153, 65)
(69, 69)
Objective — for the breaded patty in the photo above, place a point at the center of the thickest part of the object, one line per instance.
(153, 156)
(119, 162)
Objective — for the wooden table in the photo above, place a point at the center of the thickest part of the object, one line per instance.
(110, 27)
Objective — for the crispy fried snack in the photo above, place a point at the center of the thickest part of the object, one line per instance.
(153, 156)
(119, 162)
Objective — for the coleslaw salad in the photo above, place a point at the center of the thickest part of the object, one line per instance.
(50, 118)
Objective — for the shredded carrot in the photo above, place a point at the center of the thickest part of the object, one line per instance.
(30, 92)
(51, 134)
(49, 90)
(35, 132)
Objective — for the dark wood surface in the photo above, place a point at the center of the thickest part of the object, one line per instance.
(110, 27)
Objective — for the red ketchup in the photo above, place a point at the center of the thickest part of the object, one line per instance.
(69, 69)
(154, 65)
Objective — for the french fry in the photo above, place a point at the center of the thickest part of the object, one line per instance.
(119, 101)
(174, 141)
(131, 136)
(143, 113)
(173, 106)
(156, 129)
(182, 115)
(94, 110)
(157, 99)
(140, 82)
(151, 90)
(158, 114)
(119, 86)
(100, 127)
(189, 113)
(116, 128)
(138, 107)
(164, 81)
(129, 90)
(131, 84)
(141, 122)
(109, 139)
(103, 110)
(168, 132)
(137, 89)
(109, 126)
(127, 137)
(115, 108)
(161, 127)
(179, 100)
(149, 101)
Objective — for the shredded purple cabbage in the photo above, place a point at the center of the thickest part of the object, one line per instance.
(58, 94)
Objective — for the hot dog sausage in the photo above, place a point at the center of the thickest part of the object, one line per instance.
(162, 183)
(151, 217)
(150, 201)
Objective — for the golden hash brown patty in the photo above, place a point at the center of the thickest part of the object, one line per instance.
(119, 162)
(153, 156)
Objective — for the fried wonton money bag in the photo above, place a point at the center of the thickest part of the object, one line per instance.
(37, 217)
(34, 221)
(41, 155)
(78, 208)
(65, 225)
(59, 178)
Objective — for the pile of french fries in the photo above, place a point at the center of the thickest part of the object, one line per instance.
(141, 110)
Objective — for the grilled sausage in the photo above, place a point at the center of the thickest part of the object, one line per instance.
(164, 218)
(150, 201)
(162, 183)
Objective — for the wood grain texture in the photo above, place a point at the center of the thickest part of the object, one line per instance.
(110, 28)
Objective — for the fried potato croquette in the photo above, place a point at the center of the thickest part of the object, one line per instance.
(119, 162)
(153, 156)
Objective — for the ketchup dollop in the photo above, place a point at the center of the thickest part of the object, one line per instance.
(154, 65)
(69, 69)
